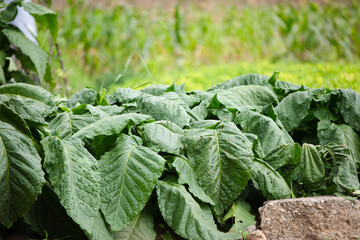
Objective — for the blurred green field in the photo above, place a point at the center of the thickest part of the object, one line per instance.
(330, 75)
(107, 46)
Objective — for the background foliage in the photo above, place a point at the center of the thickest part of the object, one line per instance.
(108, 45)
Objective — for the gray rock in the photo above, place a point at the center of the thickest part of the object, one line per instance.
(250, 228)
(315, 218)
(256, 235)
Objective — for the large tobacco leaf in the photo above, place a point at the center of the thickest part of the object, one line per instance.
(66, 124)
(129, 174)
(21, 176)
(141, 228)
(111, 125)
(123, 95)
(163, 136)
(269, 133)
(9, 116)
(28, 91)
(156, 90)
(293, 109)
(74, 178)
(187, 217)
(222, 160)
(172, 96)
(31, 115)
(271, 184)
(349, 106)
(161, 108)
(246, 96)
(246, 79)
(187, 175)
(85, 96)
(180, 91)
(284, 154)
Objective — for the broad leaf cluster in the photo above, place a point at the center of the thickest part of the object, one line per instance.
(105, 166)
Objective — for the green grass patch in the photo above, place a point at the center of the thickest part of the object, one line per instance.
(315, 75)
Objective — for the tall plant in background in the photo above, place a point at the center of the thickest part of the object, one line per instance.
(22, 60)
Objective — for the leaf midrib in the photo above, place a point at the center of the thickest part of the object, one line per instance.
(123, 180)
(219, 160)
(134, 225)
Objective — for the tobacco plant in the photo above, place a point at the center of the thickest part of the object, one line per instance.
(98, 166)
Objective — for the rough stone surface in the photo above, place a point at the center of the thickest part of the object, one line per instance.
(325, 217)
(256, 235)
(250, 228)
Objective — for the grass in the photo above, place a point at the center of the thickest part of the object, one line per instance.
(311, 44)
(330, 75)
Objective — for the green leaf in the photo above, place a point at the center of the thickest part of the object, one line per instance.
(30, 49)
(246, 96)
(21, 176)
(241, 212)
(246, 79)
(283, 154)
(74, 178)
(28, 91)
(344, 169)
(293, 109)
(85, 96)
(9, 14)
(284, 88)
(329, 132)
(123, 95)
(100, 112)
(9, 116)
(187, 175)
(204, 123)
(141, 228)
(33, 118)
(2, 64)
(44, 16)
(256, 146)
(129, 174)
(100, 230)
(156, 90)
(269, 133)
(271, 184)
(349, 106)
(66, 124)
(222, 161)
(180, 91)
(161, 108)
(172, 96)
(183, 214)
(163, 136)
(312, 167)
(111, 125)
